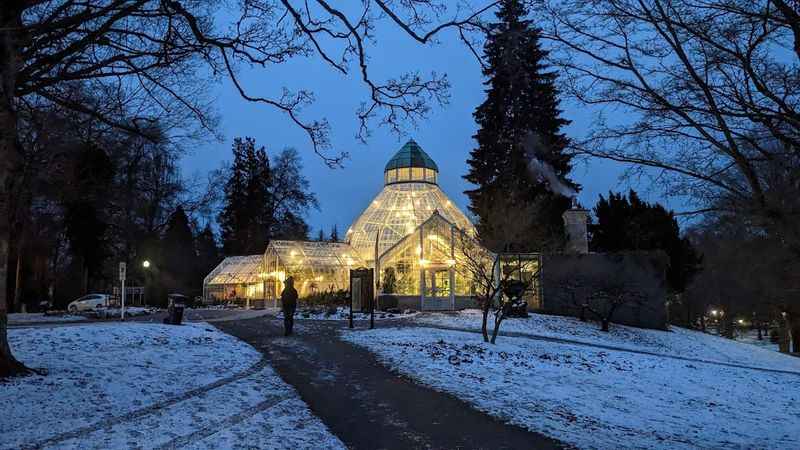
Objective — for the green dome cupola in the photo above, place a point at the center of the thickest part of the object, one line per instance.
(411, 165)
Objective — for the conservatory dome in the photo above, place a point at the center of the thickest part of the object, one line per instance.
(409, 197)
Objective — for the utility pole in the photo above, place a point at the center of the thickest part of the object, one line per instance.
(122, 268)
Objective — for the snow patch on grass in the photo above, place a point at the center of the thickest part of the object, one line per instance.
(124, 385)
(676, 342)
(592, 398)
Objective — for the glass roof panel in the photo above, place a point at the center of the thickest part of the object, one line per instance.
(397, 211)
(237, 270)
(411, 155)
(314, 254)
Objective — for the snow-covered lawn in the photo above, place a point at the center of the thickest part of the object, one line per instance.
(677, 342)
(751, 337)
(33, 318)
(594, 398)
(125, 385)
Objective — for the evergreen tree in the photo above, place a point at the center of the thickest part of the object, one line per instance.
(85, 218)
(628, 223)
(290, 195)
(334, 234)
(247, 217)
(208, 253)
(263, 199)
(521, 103)
(292, 227)
(178, 255)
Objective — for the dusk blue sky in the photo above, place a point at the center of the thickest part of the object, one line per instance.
(446, 135)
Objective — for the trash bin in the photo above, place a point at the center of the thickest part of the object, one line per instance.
(174, 314)
(176, 304)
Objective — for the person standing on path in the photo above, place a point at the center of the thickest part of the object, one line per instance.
(289, 305)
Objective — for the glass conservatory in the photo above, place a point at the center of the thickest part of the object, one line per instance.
(411, 229)
(235, 278)
(409, 197)
(315, 266)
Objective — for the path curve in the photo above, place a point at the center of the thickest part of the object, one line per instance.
(366, 405)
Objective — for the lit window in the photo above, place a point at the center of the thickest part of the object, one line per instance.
(417, 173)
(430, 175)
(403, 174)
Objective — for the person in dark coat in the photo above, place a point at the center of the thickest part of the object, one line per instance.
(289, 305)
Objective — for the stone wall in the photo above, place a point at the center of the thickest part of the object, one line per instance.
(430, 304)
(567, 282)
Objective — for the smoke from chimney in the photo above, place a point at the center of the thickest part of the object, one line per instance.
(535, 148)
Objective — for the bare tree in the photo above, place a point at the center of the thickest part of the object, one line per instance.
(607, 296)
(150, 54)
(698, 90)
(481, 259)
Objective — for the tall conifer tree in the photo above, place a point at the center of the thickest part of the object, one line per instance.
(522, 101)
(246, 217)
(208, 253)
(179, 254)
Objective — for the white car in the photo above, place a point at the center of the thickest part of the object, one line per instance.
(89, 302)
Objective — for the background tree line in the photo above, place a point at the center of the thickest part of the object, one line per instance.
(114, 197)
(94, 196)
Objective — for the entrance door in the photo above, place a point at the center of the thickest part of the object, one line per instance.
(437, 288)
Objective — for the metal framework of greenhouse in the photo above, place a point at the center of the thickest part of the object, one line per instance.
(236, 278)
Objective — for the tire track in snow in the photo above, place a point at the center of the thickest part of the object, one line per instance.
(228, 422)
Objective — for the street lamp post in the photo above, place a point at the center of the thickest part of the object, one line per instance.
(146, 266)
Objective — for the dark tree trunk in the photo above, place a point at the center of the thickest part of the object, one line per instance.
(496, 330)
(604, 324)
(485, 324)
(17, 302)
(10, 24)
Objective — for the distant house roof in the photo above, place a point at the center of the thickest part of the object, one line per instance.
(411, 155)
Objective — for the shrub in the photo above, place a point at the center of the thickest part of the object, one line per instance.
(327, 299)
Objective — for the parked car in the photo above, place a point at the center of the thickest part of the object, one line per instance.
(89, 302)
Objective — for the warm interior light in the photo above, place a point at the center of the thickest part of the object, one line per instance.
(423, 262)
(451, 262)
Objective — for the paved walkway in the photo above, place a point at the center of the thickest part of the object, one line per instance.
(366, 405)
